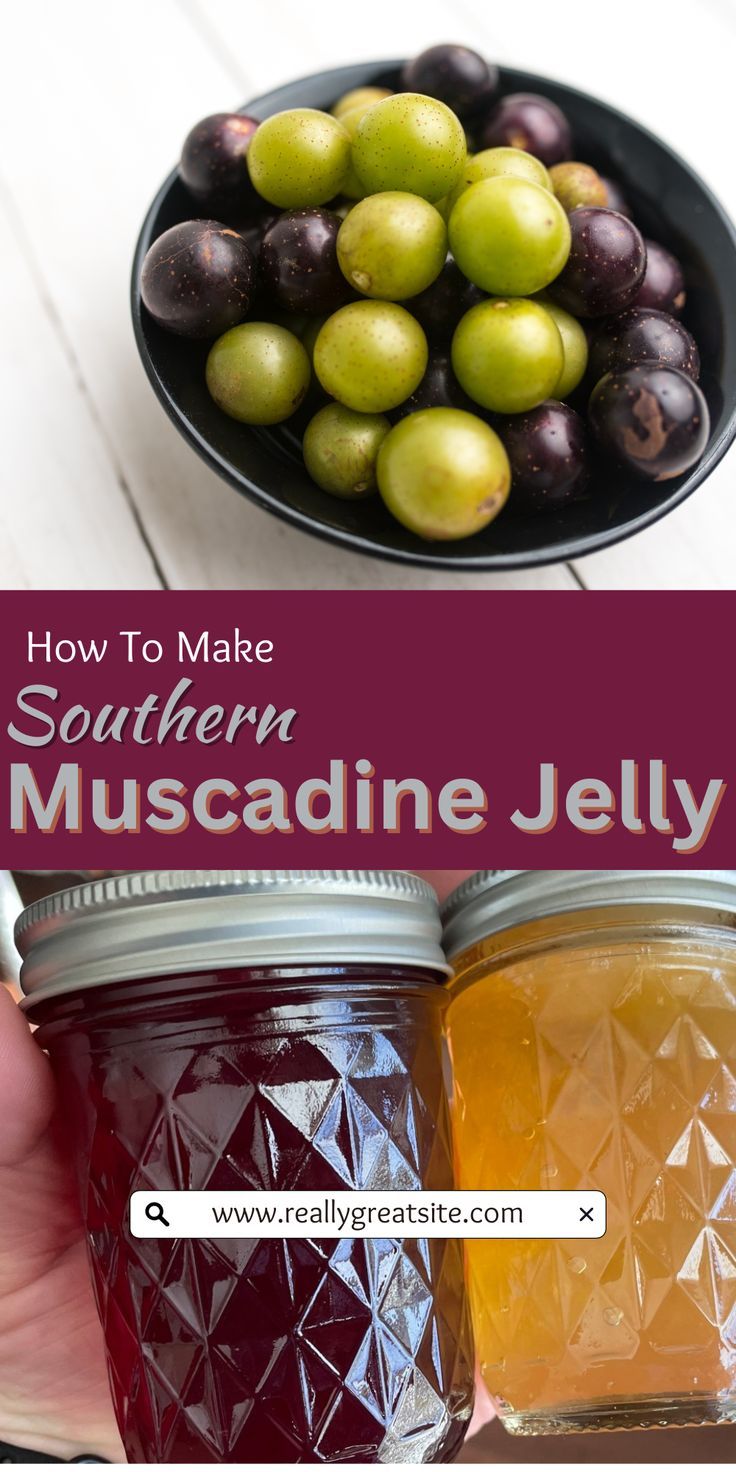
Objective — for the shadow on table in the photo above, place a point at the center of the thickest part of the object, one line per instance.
(701, 1444)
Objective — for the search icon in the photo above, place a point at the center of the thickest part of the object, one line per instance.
(155, 1213)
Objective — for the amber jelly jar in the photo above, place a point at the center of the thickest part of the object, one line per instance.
(592, 1030)
(236, 1030)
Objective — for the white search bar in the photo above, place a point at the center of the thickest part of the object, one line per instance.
(348, 1214)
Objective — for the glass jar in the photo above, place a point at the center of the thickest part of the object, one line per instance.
(592, 1031)
(242, 1030)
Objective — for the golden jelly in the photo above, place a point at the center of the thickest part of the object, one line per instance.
(592, 1029)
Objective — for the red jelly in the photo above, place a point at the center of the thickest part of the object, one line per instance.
(275, 1074)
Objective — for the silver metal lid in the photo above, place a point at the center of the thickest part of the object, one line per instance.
(496, 899)
(161, 921)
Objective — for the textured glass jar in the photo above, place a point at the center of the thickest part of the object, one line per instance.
(268, 1074)
(592, 1031)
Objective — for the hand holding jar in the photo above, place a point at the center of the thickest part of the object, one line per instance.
(259, 1030)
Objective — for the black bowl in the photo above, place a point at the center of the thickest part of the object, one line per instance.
(670, 203)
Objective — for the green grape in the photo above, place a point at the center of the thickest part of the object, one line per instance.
(508, 236)
(258, 373)
(577, 186)
(411, 143)
(508, 355)
(299, 159)
(351, 185)
(392, 246)
(500, 163)
(370, 356)
(341, 449)
(444, 474)
(574, 347)
(359, 97)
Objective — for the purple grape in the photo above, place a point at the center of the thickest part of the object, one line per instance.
(640, 336)
(616, 198)
(439, 389)
(663, 286)
(457, 76)
(298, 262)
(606, 265)
(253, 230)
(652, 420)
(532, 123)
(198, 279)
(439, 309)
(213, 165)
(548, 453)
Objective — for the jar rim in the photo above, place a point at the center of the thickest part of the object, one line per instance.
(157, 922)
(493, 900)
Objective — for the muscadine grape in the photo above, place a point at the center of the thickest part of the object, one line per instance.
(663, 286)
(500, 163)
(213, 162)
(576, 185)
(652, 420)
(258, 373)
(508, 355)
(299, 265)
(605, 267)
(359, 97)
(410, 143)
(455, 74)
(548, 454)
(525, 120)
(444, 474)
(643, 336)
(615, 197)
(510, 237)
(370, 356)
(198, 279)
(574, 347)
(299, 158)
(341, 448)
(392, 245)
(351, 187)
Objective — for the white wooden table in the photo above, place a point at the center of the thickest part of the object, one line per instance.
(95, 99)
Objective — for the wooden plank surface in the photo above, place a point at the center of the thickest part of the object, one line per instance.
(57, 528)
(105, 95)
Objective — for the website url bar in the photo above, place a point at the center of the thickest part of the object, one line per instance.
(347, 1214)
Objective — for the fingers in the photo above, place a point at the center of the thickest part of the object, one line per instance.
(483, 1409)
(444, 880)
(26, 1085)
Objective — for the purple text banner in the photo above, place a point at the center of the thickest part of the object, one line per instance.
(529, 730)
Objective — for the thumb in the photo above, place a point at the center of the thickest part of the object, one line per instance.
(444, 881)
(27, 1092)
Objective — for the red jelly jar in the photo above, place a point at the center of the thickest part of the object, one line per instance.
(241, 1030)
